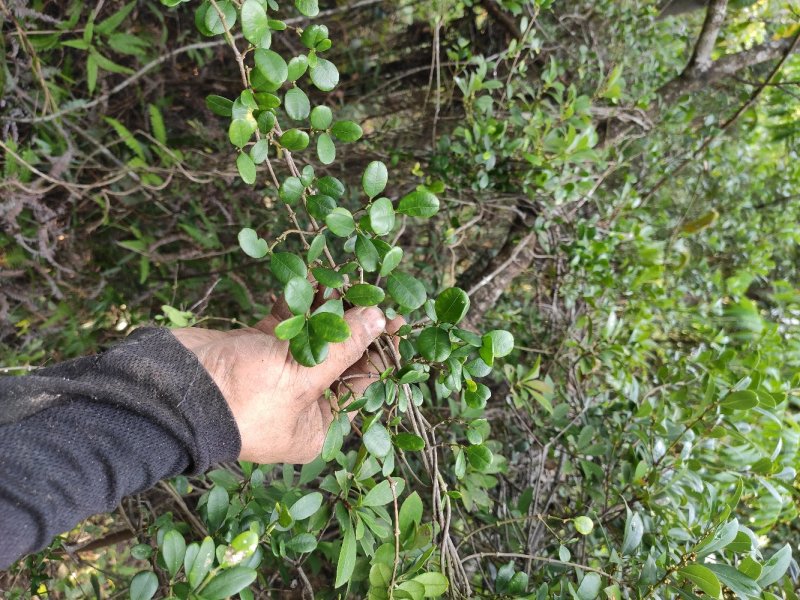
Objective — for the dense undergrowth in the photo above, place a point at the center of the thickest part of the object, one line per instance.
(613, 190)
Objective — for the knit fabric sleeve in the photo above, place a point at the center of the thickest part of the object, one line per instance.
(78, 436)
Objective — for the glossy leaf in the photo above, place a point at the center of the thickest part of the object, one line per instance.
(255, 25)
(299, 294)
(296, 104)
(228, 582)
(294, 140)
(406, 290)
(326, 150)
(347, 131)
(285, 266)
(271, 66)
(452, 305)
(340, 222)
(434, 344)
(324, 75)
(374, 178)
(419, 203)
(143, 586)
(364, 294)
(321, 117)
(286, 330)
(329, 327)
(252, 245)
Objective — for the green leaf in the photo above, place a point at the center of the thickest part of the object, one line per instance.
(340, 222)
(294, 140)
(240, 131)
(271, 66)
(380, 495)
(583, 525)
(213, 20)
(157, 123)
(299, 295)
(260, 151)
(255, 24)
(366, 253)
(252, 245)
(126, 136)
(242, 547)
(419, 203)
(285, 266)
(296, 104)
(316, 247)
(307, 349)
(722, 536)
(496, 344)
(320, 206)
(328, 277)
(776, 566)
(303, 543)
(198, 567)
(309, 8)
(297, 67)
(247, 168)
(381, 216)
(634, 529)
(478, 397)
(291, 190)
(590, 586)
(452, 305)
(228, 583)
(739, 583)
(334, 439)
(110, 24)
(347, 558)
(173, 549)
(347, 131)
(479, 457)
(434, 344)
(703, 578)
(390, 261)
(321, 117)
(740, 400)
(409, 441)
(374, 178)
(219, 105)
(330, 186)
(407, 291)
(435, 584)
(330, 327)
(410, 514)
(91, 73)
(377, 440)
(286, 330)
(324, 75)
(143, 585)
(306, 506)
(326, 149)
(364, 294)
(413, 590)
(217, 506)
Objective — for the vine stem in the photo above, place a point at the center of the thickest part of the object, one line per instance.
(544, 559)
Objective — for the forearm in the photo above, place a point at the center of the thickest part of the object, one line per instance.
(77, 437)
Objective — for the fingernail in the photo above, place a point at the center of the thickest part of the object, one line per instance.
(375, 322)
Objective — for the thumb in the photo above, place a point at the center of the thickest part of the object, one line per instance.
(366, 324)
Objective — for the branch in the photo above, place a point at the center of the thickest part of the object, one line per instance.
(701, 56)
(725, 67)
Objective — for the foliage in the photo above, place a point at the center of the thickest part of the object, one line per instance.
(643, 439)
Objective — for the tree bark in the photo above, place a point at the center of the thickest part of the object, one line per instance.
(516, 255)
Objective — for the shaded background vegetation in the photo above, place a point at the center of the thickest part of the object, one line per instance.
(620, 191)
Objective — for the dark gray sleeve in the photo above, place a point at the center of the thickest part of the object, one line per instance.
(77, 437)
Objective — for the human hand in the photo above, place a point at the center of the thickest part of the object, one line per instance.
(279, 405)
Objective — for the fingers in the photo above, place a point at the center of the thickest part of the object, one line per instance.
(366, 324)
